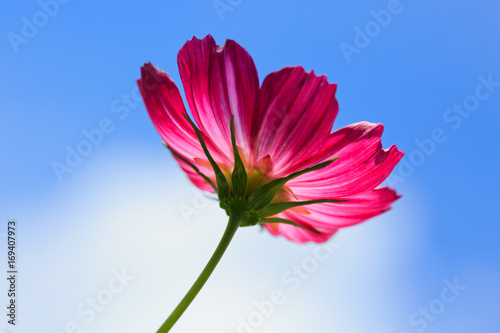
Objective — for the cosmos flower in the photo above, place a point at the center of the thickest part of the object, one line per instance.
(266, 151)
(280, 128)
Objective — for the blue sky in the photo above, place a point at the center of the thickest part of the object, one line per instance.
(429, 71)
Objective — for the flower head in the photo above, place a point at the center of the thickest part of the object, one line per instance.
(268, 151)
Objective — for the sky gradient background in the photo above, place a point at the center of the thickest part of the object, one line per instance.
(122, 208)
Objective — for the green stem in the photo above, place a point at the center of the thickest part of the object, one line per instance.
(232, 226)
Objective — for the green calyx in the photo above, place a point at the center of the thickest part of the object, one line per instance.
(256, 207)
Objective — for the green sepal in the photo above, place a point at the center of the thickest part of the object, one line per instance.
(239, 176)
(263, 196)
(278, 207)
(208, 180)
(222, 184)
(285, 221)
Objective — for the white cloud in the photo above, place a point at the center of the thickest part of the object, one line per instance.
(128, 217)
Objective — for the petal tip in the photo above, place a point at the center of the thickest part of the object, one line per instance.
(152, 77)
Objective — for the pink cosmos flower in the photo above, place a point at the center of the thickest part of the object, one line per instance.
(281, 127)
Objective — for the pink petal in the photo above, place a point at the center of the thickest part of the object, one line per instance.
(362, 164)
(297, 234)
(329, 217)
(219, 81)
(293, 116)
(358, 209)
(195, 178)
(166, 109)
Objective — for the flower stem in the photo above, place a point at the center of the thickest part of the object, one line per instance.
(232, 226)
